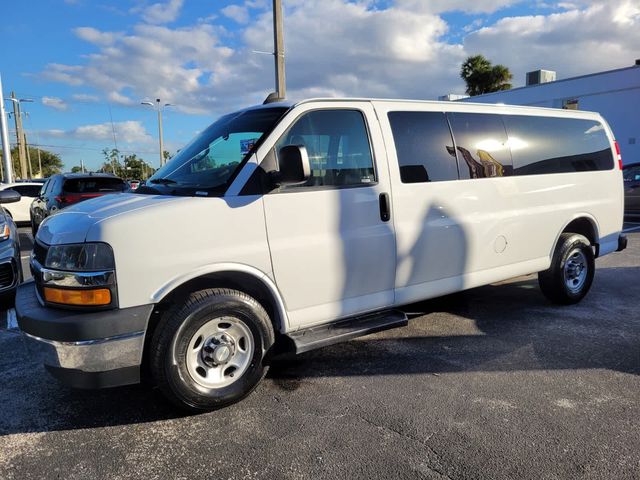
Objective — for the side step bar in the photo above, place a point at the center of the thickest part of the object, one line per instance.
(323, 335)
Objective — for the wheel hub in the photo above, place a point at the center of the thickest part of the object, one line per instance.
(575, 271)
(217, 350)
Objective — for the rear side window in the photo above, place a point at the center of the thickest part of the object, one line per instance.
(95, 185)
(631, 174)
(424, 146)
(27, 190)
(481, 142)
(338, 147)
(542, 145)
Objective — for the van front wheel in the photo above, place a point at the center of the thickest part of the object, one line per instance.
(209, 352)
(572, 269)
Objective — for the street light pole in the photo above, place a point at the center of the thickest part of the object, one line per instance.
(160, 133)
(159, 107)
(4, 133)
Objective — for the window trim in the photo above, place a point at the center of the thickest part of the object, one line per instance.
(280, 190)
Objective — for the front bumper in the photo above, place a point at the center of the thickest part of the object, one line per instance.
(84, 349)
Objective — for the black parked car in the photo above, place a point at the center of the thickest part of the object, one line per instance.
(631, 175)
(10, 265)
(65, 189)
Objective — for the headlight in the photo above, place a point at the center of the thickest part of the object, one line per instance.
(83, 257)
(78, 275)
(5, 231)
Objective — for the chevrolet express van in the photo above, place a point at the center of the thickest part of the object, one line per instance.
(299, 225)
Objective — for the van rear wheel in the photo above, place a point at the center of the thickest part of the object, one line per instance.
(572, 269)
(210, 351)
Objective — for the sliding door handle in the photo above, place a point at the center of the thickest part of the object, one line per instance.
(385, 207)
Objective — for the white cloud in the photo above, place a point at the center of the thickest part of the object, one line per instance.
(236, 12)
(85, 97)
(162, 12)
(578, 41)
(95, 36)
(128, 132)
(345, 48)
(55, 102)
(442, 6)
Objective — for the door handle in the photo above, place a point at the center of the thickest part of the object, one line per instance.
(385, 209)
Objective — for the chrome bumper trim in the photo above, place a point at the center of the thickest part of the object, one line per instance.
(98, 355)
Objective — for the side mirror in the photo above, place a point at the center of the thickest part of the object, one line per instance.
(293, 162)
(9, 196)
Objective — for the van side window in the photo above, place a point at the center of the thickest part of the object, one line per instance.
(481, 142)
(542, 145)
(338, 146)
(424, 146)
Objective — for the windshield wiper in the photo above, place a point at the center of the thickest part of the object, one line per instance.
(163, 181)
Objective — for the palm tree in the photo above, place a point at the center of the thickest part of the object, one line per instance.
(483, 77)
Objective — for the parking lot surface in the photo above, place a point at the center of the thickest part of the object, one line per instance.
(490, 383)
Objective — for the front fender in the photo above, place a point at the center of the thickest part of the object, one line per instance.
(205, 270)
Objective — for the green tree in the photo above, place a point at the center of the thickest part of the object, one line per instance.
(136, 168)
(76, 169)
(112, 162)
(481, 76)
(51, 162)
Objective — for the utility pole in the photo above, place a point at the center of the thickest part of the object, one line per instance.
(17, 116)
(6, 148)
(26, 147)
(278, 44)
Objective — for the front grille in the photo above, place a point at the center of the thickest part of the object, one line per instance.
(40, 251)
(6, 275)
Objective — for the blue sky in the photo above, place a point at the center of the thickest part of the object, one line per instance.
(87, 64)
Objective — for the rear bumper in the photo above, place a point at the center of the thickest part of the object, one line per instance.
(622, 243)
(84, 350)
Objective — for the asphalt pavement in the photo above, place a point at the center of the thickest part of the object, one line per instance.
(491, 383)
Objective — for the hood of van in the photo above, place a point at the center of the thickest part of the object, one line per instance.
(72, 224)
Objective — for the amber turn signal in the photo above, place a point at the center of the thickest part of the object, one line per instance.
(92, 297)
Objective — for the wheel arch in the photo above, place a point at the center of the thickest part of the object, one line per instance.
(583, 224)
(240, 277)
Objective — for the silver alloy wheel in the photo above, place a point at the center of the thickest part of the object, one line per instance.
(575, 270)
(219, 352)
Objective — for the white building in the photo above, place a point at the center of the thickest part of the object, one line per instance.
(615, 94)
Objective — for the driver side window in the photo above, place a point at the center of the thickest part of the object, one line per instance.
(338, 147)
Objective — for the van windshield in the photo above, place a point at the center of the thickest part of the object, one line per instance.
(208, 164)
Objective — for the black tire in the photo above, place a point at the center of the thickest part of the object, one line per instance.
(555, 282)
(175, 331)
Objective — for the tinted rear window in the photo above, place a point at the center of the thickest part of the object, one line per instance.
(542, 145)
(27, 190)
(95, 185)
(481, 141)
(424, 146)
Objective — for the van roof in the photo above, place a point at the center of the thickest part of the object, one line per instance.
(497, 106)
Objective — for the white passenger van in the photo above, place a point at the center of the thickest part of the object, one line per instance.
(300, 225)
